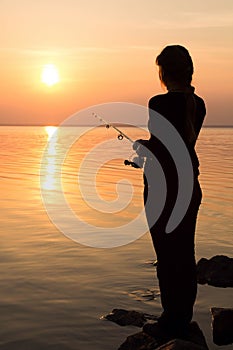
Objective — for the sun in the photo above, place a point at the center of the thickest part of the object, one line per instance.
(50, 75)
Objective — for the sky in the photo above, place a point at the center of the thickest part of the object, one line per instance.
(104, 51)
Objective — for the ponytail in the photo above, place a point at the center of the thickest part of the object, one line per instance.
(175, 72)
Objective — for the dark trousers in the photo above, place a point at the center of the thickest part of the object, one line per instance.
(176, 268)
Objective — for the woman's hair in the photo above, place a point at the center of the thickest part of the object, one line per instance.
(176, 65)
(176, 70)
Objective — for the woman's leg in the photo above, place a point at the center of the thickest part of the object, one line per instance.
(176, 269)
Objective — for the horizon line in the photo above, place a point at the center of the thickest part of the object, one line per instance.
(121, 124)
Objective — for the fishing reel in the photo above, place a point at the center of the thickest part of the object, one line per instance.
(137, 162)
(120, 136)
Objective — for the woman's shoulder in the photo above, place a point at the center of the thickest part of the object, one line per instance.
(164, 98)
(158, 100)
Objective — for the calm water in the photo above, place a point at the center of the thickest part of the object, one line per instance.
(54, 290)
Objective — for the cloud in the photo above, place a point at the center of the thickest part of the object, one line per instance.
(191, 20)
(66, 52)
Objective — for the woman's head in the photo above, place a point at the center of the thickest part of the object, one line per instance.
(175, 66)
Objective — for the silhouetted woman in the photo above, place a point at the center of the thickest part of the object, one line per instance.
(176, 266)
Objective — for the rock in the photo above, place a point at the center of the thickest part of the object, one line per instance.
(194, 335)
(145, 294)
(222, 323)
(139, 341)
(217, 271)
(179, 344)
(129, 318)
(195, 340)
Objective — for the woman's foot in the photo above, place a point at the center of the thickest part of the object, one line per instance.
(157, 332)
(175, 326)
(165, 333)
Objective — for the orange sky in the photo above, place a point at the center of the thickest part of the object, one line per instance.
(105, 51)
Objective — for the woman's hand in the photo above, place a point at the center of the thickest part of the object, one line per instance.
(139, 147)
(138, 143)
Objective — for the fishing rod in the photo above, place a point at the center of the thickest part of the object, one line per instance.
(121, 134)
(137, 161)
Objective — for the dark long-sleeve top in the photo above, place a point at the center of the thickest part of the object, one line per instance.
(172, 106)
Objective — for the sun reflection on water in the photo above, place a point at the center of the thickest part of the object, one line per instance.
(51, 130)
(50, 167)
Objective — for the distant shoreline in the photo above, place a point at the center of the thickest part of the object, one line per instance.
(115, 124)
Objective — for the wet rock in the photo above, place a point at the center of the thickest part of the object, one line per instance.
(145, 294)
(145, 340)
(194, 340)
(142, 341)
(217, 271)
(139, 341)
(129, 318)
(222, 323)
(194, 335)
(179, 344)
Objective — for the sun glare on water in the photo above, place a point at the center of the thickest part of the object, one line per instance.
(50, 75)
(50, 130)
(50, 169)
